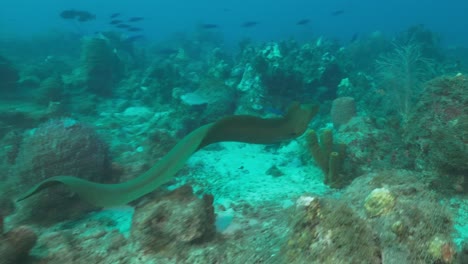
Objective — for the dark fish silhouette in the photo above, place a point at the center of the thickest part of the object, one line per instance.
(81, 16)
(123, 26)
(249, 24)
(115, 22)
(337, 12)
(303, 22)
(354, 37)
(135, 19)
(209, 26)
(134, 29)
(68, 14)
(114, 15)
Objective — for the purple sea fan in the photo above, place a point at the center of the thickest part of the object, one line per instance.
(62, 147)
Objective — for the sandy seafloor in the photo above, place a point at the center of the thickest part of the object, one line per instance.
(235, 174)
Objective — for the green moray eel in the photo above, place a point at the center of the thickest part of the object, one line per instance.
(239, 128)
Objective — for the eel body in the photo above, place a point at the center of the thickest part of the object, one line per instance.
(240, 128)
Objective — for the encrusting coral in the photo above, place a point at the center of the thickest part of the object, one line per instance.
(172, 221)
(437, 129)
(380, 201)
(385, 217)
(321, 234)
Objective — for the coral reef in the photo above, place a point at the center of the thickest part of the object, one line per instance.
(406, 214)
(16, 244)
(249, 242)
(372, 144)
(402, 179)
(380, 201)
(59, 147)
(303, 67)
(402, 73)
(174, 221)
(342, 110)
(367, 224)
(50, 90)
(62, 147)
(101, 66)
(161, 77)
(252, 92)
(37, 72)
(360, 56)
(437, 131)
(320, 235)
(213, 99)
(8, 76)
(19, 115)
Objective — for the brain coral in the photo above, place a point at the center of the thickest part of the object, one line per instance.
(380, 201)
(61, 147)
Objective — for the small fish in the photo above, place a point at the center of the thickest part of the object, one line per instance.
(337, 12)
(68, 14)
(81, 16)
(134, 29)
(115, 22)
(354, 37)
(209, 26)
(303, 22)
(249, 24)
(114, 15)
(122, 26)
(135, 19)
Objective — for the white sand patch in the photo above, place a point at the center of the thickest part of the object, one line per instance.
(238, 172)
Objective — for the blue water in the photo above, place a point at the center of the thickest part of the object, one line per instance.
(276, 18)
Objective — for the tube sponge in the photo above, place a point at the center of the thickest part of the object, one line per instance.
(328, 156)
